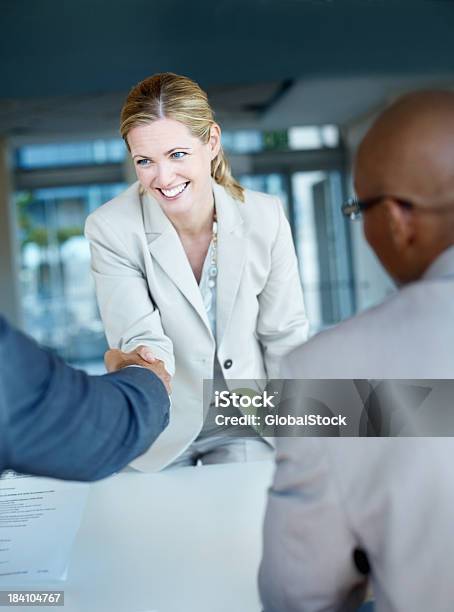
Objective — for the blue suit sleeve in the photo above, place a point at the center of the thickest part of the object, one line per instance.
(60, 422)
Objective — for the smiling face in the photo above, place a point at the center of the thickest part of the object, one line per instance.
(173, 165)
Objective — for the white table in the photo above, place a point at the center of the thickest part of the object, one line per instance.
(183, 540)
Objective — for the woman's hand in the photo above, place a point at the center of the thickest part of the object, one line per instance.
(115, 359)
(146, 354)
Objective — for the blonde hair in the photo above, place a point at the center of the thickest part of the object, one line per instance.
(168, 95)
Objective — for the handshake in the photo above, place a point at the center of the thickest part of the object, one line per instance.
(141, 356)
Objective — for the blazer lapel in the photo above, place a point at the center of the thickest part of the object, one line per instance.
(166, 248)
(232, 249)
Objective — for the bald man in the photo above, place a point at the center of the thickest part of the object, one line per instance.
(345, 511)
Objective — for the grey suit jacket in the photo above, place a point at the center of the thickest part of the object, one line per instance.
(392, 498)
(58, 421)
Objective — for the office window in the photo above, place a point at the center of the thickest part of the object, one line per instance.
(70, 154)
(301, 138)
(57, 291)
(242, 141)
(313, 137)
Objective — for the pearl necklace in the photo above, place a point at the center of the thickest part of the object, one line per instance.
(213, 269)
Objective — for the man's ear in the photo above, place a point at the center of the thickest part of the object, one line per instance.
(215, 140)
(400, 224)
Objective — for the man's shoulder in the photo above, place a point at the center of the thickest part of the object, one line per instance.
(357, 347)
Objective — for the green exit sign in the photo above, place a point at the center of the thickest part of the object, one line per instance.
(275, 140)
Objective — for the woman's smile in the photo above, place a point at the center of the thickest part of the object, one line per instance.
(173, 193)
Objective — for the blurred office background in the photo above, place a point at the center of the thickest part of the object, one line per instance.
(294, 85)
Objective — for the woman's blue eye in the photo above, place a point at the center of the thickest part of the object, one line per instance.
(178, 155)
(143, 162)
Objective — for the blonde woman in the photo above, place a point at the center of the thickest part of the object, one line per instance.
(195, 269)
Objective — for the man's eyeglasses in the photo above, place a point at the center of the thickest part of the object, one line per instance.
(353, 208)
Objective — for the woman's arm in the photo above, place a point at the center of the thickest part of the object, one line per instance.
(127, 310)
(282, 323)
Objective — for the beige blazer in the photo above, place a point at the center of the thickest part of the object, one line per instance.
(147, 294)
(391, 497)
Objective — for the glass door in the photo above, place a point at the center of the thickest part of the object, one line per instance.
(323, 246)
(312, 202)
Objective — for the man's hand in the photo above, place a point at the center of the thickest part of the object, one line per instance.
(116, 359)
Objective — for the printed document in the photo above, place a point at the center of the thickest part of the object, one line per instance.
(39, 519)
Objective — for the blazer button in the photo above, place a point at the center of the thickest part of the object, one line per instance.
(228, 364)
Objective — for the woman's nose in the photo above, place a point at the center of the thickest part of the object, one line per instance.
(164, 174)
